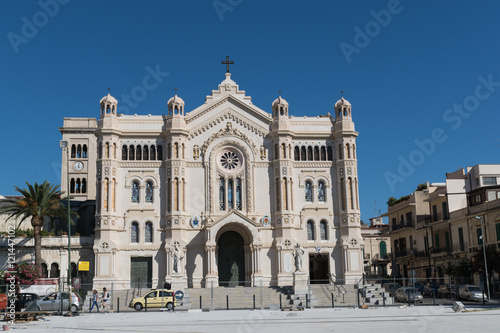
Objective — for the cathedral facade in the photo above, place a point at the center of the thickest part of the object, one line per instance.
(226, 194)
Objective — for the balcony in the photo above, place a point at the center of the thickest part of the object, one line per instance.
(437, 217)
(403, 224)
(405, 252)
(460, 247)
(441, 251)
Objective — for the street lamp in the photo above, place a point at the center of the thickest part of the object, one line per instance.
(480, 218)
(64, 145)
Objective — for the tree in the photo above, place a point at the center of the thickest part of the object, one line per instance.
(37, 202)
(492, 259)
(461, 271)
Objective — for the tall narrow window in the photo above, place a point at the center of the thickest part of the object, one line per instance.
(308, 191)
(303, 156)
(343, 185)
(148, 233)
(145, 153)
(113, 194)
(284, 194)
(99, 151)
(114, 150)
(159, 153)
(322, 230)
(176, 150)
(182, 151)
(106, 194)
(152, 153)
(169, 195)
(383, 250)
(230, 194)
(135, 191)
(353, 151)
(84, 185)
(84, 151)
(309, 153)
(297, 153)
(278, 199)
(149, 191)
(316, 153)
(78, 185)
(72, 186)
(323, 153)
(176, 194)
(321, 191)
(131, 153)
(138, 153)
(134, 232)
(73, 151)
(124, 153)
(79, 151)
(329, 153)
(341, 155)
(106, 150)
(238, 193)
(222, 194)
(283, 151)
(348, 150)
(310, 230)
(169, 151)
(350, 200)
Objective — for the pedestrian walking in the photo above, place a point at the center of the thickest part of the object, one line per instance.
(94, 301)
(105, 297)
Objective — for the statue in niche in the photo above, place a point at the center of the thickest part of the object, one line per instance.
(298, 252)
(177, 256)
(235, 276)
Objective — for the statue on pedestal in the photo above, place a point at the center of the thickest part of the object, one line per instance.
(298, 252)
(177, 256)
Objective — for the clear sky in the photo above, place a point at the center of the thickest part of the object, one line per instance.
(423, 77)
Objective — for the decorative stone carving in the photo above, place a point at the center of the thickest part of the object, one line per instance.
(228, 131)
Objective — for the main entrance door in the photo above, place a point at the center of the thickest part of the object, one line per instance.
(141, 272)
(318, 268)
(231, 259)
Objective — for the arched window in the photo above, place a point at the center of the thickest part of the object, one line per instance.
(176, 150)
(114, 150)
(135, 191)
(72, 186)
(106, 194)
(134, 232)
(284, 193)
(238, 193)
(297, 153)
(309, 153)
(54, 270)
(138, 153)
(321, 191)
(84, 151)
(159, 153)
(79, 151)
(278, 199)
(73, 151)
(148, 233)
(106, 150)
(350, 199)
(342, 185)
(78, 185)
(330, 153)
(341, 155)
(230, 194)
(84, 185)
(44, 270)
(113, 194)
(276, 151)
(353, 151)
(149, 191)
(152, 153)
(169, 151)
(308, 194)
(169, 195)
(283, 151)
(303, 153)
(323, 153)
(348, 150)
(222, 194)
(145, 153)
(124, 153)
(316, 153)
(322, 230)
(182, 151)
(131, 153)
(176, 194)
(99, 151)
(310, 230)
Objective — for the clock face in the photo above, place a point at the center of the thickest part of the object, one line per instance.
(78, 166)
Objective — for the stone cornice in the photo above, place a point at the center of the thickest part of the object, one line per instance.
(140, 164)
(313, 164)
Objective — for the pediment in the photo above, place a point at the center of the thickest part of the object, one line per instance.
(234, 216)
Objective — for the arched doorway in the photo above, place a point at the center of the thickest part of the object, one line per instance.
(231, 259)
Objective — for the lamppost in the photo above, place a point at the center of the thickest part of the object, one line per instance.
(64, 145)
(428, 250)
(480, 218)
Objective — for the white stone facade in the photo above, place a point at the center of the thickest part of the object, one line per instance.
(169, 187)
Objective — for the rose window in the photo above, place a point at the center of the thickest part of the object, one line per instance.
(229, 160)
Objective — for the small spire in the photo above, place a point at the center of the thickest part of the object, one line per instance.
(109, 90)
(175, 89)
(342, 92)
(279, 92)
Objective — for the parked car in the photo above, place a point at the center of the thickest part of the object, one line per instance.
(470, 293)
(431, 288)
(447, 291)
(23, 298)
(156, 298)
(408, 294)
(391, 288)
(52, 302)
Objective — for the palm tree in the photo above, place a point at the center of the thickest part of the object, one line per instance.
(37, 201)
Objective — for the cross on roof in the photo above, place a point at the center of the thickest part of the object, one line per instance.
(175, 89)
(342, 92)
(109, 90)
(279, 92)
(227, 63)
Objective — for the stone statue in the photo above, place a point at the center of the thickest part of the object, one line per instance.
(235, 276)
(177, 255)
(298, 252)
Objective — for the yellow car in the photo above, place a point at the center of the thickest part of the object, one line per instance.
(156, 298)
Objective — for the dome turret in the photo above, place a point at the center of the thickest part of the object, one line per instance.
(342, 108)
(175, 105)
(108, 104)
(280, 107)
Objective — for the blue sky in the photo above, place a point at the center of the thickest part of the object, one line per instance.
(402, 64)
